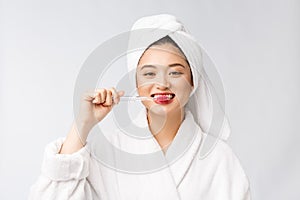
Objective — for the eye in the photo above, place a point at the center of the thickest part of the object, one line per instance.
(175, 73)
(149, 74)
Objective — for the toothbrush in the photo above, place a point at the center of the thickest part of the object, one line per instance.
(136, 98)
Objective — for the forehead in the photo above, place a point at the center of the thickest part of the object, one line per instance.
(162, 55)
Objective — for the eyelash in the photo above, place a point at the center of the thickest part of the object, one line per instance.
(175, 73)
(149, 74)
(153, 74)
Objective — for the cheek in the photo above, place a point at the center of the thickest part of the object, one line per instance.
(183, 90)
(140, 86)
(183, 86)
(188, 85)
(144, 86)
(143, 90)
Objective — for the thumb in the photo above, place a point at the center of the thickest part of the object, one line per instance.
(121, 93)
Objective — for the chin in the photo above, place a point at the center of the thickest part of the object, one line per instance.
(158, 110)
(163, 110)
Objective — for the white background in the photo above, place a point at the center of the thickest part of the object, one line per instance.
(255, 44)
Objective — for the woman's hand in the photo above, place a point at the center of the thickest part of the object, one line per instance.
(93, 108)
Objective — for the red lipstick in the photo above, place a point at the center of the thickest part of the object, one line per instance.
(163, 98)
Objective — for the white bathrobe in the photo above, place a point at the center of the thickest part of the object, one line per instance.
(218, 176)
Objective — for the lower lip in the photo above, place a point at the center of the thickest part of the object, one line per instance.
(163, 101)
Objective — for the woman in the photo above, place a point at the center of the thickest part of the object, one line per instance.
(166, 72)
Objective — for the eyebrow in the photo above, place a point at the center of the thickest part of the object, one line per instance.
(171, 65)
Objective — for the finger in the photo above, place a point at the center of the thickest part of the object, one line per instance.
(99, 96)
(108, 99)
(95, 99)
(114, 95)
(102, 95)
(121, 93)
(117, 96)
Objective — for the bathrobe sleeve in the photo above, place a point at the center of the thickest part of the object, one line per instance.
(237, 186)
(247, 195)
(64, 176)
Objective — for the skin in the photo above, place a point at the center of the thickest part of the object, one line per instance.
(94, 106)
(163, 76)
(163, 69)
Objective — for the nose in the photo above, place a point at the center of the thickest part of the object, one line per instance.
(162, 83)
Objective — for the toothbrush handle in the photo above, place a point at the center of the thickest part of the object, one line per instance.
(135, 98)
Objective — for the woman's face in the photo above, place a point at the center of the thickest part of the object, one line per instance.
(163, 73)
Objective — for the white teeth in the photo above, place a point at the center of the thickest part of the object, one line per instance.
(169, 96)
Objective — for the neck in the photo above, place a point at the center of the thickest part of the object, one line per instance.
(164, 128)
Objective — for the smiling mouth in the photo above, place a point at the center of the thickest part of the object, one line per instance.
(163, 97)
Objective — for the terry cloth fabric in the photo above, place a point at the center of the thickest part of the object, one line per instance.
(219, 176)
